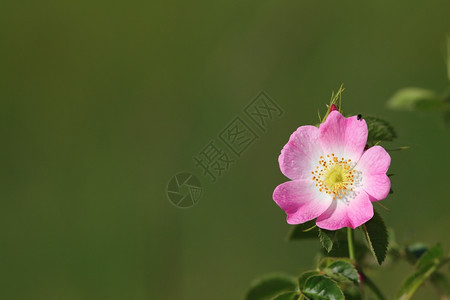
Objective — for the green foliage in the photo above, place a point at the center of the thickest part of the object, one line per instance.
(342, 270)
(379, 130)
(353, 293)
(304, 277)
(337, 277)
(269, 286)
(339, 269)
(306, 230)
(433, 256)
(326, 239)
(333, 277)
(321, 287)
(428, 263)
(310, 230)
(377, 237)
(414, 98)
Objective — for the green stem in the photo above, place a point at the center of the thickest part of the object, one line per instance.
(351, 250)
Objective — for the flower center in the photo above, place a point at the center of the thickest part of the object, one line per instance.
(334, 176)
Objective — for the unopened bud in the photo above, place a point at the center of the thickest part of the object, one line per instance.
(333, 107)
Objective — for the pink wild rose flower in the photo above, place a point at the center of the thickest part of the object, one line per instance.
(332, 178)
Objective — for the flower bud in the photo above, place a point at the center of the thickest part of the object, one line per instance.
(333, 107)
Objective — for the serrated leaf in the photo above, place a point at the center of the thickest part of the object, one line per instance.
(376, 235)
(414, 98)
(327, 261)
(269, 286)
(342, 270)
(339, 269)
(303, 231)
(322, 288)
(304, 277)
(425, 267)
(287, 296)
(379, 130)
(326, 239)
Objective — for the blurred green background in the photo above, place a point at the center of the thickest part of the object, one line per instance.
(103, 101)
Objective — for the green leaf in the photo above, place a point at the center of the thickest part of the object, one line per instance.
(433, 256)
(304, 277)
(326, 239)
(425, 267)
(322, 288)
(342, 270)
(327, 261)
(414, 98)
(339, 269)
(377, 237)
(379, 130)
(287, 296)
(303, 231)
(269, 286)
(352, 293)
(412, 283)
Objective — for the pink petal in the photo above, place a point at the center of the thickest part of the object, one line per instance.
(373, 166)
(351, 213)
(345, 137)
(301, 200)
(301, 154)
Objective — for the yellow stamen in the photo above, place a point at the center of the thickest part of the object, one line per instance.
(334, 176)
